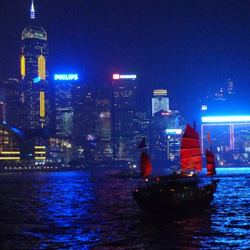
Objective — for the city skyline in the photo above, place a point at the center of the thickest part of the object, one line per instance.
(168, 44)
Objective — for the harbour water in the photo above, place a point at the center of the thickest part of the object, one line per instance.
(74, 210)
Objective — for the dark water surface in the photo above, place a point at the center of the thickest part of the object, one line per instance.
(71, 210)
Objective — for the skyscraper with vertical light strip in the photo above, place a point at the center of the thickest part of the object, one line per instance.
(34, 74)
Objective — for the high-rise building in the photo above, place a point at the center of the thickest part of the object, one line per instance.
(84, 119)
(164, 140)
(14, 107)
(63, 85)
(160, 101)
(103, 143)
(123, 114)
(34, 74)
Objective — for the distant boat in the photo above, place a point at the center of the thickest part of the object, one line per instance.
(178, 191)
(126, 174)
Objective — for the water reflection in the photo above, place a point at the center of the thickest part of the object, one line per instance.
(75, 210)
(49, 209)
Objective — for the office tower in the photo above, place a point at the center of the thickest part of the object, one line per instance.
(84, 120)
(142, 123)
(123, 114)
(34, 74)
(84, 111)
(63, 85)
(162, 144)
(14, 107)
(160, 101)
(103, 148)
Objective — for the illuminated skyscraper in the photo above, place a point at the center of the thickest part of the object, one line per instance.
(34, 74)
(165, 137)
(63, 107)
(123, 115)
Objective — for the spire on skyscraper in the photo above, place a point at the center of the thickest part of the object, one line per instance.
(32, 10)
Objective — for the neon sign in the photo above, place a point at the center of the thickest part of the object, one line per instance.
(218, 119)
(66, 77)
(118, 77)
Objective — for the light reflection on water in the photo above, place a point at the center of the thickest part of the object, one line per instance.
(69, 210)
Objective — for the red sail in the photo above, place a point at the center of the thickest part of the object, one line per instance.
(190, 151)
(210, 163)
(146, 167)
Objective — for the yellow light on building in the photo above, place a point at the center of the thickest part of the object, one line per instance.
(10, 152)
(160, 92)
(40, 152)
(9, 158)
(22, 66)
(40, 158)
(42, 104)
(41, 67)
(40, 147)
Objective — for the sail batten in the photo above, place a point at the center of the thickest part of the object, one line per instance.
(190, 151)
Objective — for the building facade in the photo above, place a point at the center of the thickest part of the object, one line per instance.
(123, 114)
(64, 113)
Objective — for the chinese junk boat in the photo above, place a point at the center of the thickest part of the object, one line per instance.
(178, 191)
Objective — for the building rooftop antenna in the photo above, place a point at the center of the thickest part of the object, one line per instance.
(32, 10)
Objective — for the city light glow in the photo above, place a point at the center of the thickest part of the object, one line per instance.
(218, 119)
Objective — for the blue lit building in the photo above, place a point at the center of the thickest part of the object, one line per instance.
(230, 139)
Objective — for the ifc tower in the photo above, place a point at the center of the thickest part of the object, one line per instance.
(34, 94)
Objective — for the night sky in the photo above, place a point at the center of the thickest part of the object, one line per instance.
(190, 47)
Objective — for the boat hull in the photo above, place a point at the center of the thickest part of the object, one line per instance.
(157, 199)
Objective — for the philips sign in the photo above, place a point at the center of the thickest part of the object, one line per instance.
(66, 77)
